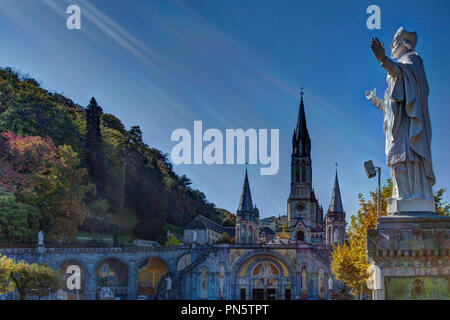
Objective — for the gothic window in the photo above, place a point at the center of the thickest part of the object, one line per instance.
(303, 172)
(297, 176)
(300, 236)
(336, 235)
(300, 208)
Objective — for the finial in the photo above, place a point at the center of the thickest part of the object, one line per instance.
(301, 91)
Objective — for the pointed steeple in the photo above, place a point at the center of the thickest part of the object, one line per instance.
(246, 204)
(336, 201)
(301, 141)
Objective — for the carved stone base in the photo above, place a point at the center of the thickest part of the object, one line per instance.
(40, 248)
(412, 250)
(401, 205)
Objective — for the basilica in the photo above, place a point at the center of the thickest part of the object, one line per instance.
(291, 261)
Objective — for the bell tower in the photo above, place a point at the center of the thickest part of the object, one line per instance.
(299, 201)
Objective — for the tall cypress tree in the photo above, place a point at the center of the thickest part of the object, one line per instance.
(94, 145)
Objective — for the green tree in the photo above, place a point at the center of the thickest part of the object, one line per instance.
(17, 220)
(112, 122)
(34, 279)
(172, 241)
(224, 238)
(228, 222)
(94, 144)
(442, 207)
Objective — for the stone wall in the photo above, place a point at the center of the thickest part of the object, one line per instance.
(200, 279)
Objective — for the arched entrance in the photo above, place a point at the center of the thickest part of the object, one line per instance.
(149, 274)
(112, 280)
(300, 236)
(263, 277)
(73, 275)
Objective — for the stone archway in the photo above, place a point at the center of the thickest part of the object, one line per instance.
(112, 280)
(73, 273)
(263, 276)
(150, 271)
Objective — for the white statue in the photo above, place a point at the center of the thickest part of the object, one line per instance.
(330, 283)
(169, 283)
(336, 235)
(406, 119)
(221, 277)
(304, 279)
(194, 237)
(41, 238)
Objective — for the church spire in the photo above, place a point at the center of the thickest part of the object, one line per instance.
(301, 141)
(336, 201)
(246, 204)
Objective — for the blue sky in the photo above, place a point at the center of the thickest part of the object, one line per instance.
(237, 64)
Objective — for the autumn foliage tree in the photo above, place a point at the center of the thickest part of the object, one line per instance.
(6, 285)
(50, 180)
(442, 207)
(30, 279)
(348, 261)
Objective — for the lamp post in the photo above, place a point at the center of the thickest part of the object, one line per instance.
(371, 172)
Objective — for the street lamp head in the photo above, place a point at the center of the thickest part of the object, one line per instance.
(370, 169)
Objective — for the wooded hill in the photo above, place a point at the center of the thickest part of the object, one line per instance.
(69, 169)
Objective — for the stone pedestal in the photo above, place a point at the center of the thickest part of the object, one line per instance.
(396, 206)
(40, 248)
(411, 248)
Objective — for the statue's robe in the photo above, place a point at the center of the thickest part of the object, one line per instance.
(407, 128)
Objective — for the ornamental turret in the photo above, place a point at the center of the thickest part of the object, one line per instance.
(247, 216)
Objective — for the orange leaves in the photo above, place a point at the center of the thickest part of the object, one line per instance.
(348, 261)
